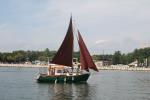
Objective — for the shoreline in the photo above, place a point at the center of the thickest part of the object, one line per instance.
(112, 67)
(23, 65)
(123, 68)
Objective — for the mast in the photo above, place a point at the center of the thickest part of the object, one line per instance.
(85, 58)
(65, 53)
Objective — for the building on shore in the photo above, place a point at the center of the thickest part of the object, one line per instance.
(103, 63)
(136, 63)
(133, 64)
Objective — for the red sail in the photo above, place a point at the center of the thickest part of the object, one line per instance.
(85, 58)
(65, 52)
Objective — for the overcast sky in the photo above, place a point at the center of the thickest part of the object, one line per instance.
(106, 25)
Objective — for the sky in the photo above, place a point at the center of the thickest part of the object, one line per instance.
(106, 25)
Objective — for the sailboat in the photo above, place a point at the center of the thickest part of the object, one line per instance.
(62, 69)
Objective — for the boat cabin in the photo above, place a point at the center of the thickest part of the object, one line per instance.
(57, 70)
(62, 70)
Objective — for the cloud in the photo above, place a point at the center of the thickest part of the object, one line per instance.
(104, 24)
(101, 41)
(3, 26)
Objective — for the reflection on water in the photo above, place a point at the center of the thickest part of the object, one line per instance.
(70, 91)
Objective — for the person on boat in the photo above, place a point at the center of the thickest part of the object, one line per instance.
(78, 69)
(51, 71)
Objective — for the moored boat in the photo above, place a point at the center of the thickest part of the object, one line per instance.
(61, 69)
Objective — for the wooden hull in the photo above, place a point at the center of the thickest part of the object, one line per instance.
(63, 78)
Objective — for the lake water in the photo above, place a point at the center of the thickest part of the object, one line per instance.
(20, 84)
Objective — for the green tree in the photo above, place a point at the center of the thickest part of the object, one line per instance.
(117, 58)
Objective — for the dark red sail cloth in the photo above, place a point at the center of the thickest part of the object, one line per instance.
(85, 58)
(65, 52)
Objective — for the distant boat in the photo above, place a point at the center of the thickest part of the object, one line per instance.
(62, 69)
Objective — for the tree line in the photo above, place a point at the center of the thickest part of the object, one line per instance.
(21, 56)
(142, 56)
